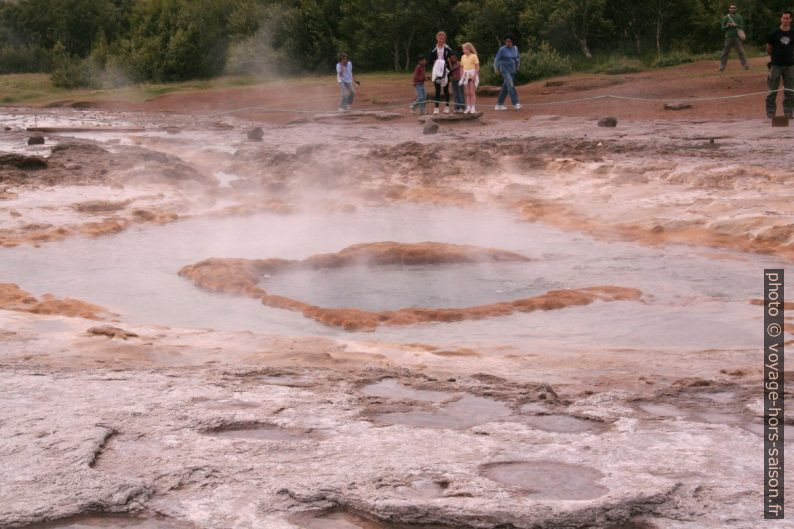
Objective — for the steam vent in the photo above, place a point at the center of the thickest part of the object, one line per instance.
(233, 304)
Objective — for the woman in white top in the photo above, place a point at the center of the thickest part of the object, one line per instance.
(438, 61)
(344, 76)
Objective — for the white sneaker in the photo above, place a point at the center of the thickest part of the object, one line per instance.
(517, 106)
(446, 110)
(467, 111)
(473, 110)
(341, 109)
(435, 111)
(500, 107)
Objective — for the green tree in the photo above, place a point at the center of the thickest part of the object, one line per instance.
(74, 23)
(577, 19)
(489, 20)
(172, 40)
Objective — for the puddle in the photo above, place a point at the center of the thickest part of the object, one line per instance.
(561, 424)
(548, 480)
(462, 414)
(264, 432)
(392, 389)
(111, 521)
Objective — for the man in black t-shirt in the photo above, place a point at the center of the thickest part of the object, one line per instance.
(780, 47)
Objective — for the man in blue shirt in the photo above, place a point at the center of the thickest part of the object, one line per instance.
(506, 64)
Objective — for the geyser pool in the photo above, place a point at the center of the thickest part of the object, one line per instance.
(694, 301)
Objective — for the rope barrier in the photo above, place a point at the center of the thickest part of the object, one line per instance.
(548, 103)
(542, 104)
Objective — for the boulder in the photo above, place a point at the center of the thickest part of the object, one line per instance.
(36, 140)
(608, 122)
(255, 134)
(430, 128)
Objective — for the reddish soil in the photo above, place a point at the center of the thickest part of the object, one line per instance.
(701, 79)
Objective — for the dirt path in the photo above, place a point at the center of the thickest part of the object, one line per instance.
(701, 79)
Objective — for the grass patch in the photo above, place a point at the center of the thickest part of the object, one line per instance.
(618, 66)
(674, 58)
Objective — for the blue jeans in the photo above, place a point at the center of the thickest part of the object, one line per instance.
(508, 87)
(421, 99)
(460, 97)
(347, 93)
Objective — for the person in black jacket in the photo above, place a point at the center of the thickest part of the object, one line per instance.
(438, 61)
(780, 47)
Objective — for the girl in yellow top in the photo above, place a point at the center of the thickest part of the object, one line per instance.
(471, 76)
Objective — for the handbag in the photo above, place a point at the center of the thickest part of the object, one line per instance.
(739, 32)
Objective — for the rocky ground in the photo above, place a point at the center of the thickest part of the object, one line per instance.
(113, 423)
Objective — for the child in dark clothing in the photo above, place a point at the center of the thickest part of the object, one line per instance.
(419, 85)
(455, 74)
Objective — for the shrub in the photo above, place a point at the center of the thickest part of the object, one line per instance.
(539, 64)
(68, 71)
(619, 65)
(23, 59)
(675, 58)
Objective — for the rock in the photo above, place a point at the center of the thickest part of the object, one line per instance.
(111, 332)
(36, 140)
(780, 121)
(430, 128)
(608, 122)
(6, 128)
(489, 90)
(172, 129)
(22, 161)
(255, 134)
(451, 118)
(658, 229)
(677, 106)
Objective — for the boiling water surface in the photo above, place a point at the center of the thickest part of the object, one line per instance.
(693, 300)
